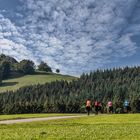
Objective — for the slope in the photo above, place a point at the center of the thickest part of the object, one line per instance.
(38, 78)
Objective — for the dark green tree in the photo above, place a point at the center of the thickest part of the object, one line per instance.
(6, 69)
(0, 74)
(57, 71)
(26, 67)
(9, 59)
(44, 67)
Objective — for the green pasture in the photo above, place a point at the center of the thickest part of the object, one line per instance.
(102, 127)
(39, 78)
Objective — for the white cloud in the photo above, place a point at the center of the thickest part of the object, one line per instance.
(75, 35)
(11, 41)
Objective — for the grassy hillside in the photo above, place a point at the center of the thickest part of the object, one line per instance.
(120, 127)
(40, 77)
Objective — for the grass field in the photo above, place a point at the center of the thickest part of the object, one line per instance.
(15, 83)
(105, 127)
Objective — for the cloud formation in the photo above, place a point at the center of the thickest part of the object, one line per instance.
(73, 35)
(11, 41)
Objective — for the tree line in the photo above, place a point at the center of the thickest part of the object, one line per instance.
(114, 85)
(10, 67)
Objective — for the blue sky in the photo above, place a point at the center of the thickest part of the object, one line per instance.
(75, 36)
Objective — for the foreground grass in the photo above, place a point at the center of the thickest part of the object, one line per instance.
(124, 127)
(25, 116)
(41, 78)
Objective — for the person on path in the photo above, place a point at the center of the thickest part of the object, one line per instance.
(110, 107)
(88, 106)
(127, 107)
(99, 107)
(96, 104)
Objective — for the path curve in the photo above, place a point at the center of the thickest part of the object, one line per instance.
(38, 119)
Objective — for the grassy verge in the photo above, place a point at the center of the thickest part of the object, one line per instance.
(123, 127)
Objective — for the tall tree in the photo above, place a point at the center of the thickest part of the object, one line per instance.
(57, 71)
(6, 69)
(9, 59)
(26, 67)
(0, 74)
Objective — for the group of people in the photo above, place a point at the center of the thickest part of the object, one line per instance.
(98, 107)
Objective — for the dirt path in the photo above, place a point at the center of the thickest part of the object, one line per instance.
(38, 119)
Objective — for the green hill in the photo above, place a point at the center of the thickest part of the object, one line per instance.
(38, 78)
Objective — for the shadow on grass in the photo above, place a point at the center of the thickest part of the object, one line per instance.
(20, 75)
(43, 73)
(5, 84)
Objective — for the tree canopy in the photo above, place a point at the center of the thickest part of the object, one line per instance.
(26, 66)
(6, 69)
(0, 74)
(44, 67)
(12, 68)
(57, 71)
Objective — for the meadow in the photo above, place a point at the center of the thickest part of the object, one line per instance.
(105, 127)
(38, 78)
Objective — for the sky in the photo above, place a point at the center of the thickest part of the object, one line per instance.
(75, 36)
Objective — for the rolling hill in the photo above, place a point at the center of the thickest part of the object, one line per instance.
(38, 78)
